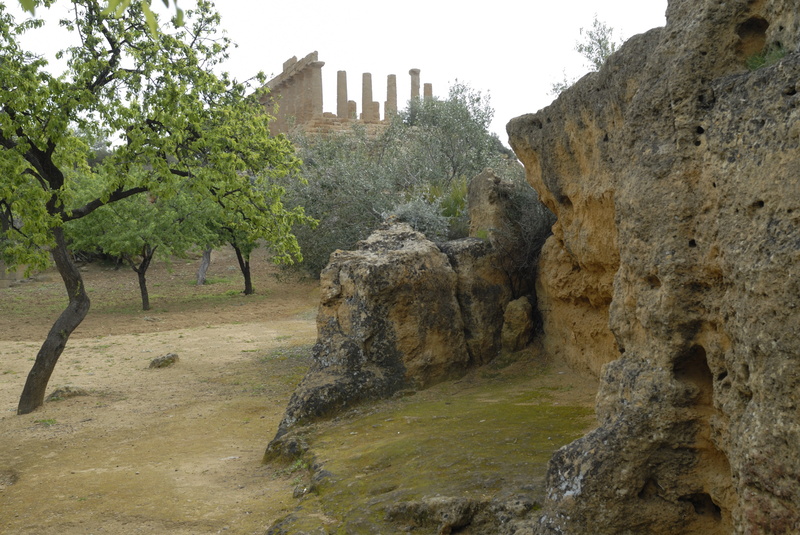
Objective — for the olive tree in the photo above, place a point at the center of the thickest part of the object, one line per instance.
(417, 170)
(170, 116)
(596, 45)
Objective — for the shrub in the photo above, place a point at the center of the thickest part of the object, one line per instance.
(769, 56)
(417, 170)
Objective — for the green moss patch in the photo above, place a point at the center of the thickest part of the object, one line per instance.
(481, 437)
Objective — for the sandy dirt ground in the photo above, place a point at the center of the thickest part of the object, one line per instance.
(174, 450)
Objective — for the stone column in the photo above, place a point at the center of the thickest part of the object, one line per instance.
(390, 106)
(428, 91)
(414, 83)
(367, 109)
(341, 95)
(315, 81)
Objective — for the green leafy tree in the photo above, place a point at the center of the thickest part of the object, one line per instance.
(596, 46)
(187, 129)
(434, 141)
(136, 228)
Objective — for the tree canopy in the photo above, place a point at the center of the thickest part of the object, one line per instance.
(176, 127)
(417, 170)
(118, 7)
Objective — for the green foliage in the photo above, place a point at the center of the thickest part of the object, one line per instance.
(769, 56)
(118, 7)
(436, 141)
(423, 216)
(178, 129)
(416, 171)
(596, 46)
(346, 190)
(48, 422)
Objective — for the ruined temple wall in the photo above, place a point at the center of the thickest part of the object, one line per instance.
(296, 99)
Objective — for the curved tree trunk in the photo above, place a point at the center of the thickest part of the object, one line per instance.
(143, 290)
(141, 271)
(203, 269)
(33, 393)
(244, 265)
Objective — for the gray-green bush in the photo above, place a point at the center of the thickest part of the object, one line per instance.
(416, 171)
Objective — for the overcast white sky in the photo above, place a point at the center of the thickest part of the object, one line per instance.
(512, 49)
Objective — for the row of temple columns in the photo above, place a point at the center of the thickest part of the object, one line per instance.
(298, 93)
(346, 109)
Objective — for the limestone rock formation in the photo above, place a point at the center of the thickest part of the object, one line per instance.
(675, 176)
(518, 325)
(397, 313)
(483, 291)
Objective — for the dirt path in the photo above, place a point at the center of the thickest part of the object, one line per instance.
(174, 450)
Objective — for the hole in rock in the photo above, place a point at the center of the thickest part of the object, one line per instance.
(758, 204)
(692, 243)
(653, 281)
(722, 376)
(714, 184)
(753, 36)
(649, 489)
(692, 368)
(703, 505)
(697, 143)
(701, 130)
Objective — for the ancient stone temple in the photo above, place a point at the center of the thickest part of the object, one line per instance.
(296, 97)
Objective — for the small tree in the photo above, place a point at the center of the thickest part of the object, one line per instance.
(187, 129)
(433, 141)
(136, 228)
(597, 45)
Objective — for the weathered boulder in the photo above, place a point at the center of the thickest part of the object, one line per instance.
(398, 312)
(675, 176)
(164, 361)
(509, 215)
(483, 290)
(518, 325)
(389, 319)
(488, 200)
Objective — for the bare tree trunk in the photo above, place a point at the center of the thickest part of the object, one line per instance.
(143, 290)
(35, 386)
(244, 265)
(204, 263)
(141, 270)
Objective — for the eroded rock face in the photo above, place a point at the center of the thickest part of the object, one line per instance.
(396, 313)
(675, 176)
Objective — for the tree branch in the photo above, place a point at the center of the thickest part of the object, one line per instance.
(90, 207)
